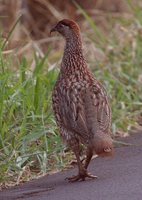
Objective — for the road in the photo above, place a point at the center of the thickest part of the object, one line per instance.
(119, 178)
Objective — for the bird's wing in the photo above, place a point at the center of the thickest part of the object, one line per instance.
(97, 109)
(86, 112)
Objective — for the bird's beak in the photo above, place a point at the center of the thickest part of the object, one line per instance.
(53, 29)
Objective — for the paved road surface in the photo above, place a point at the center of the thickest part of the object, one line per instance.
(120, 178)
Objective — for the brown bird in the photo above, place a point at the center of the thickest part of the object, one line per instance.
(80, 102)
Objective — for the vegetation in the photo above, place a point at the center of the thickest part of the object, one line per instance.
(29, 142)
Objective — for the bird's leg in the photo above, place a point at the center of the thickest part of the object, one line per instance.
(89, 155)
(82, 171)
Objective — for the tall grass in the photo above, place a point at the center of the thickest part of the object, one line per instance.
(28, 135)
(29, 141)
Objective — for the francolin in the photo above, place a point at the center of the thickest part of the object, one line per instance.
(80, 103)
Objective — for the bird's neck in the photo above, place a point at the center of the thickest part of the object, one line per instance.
(73, 44)
(73, 56)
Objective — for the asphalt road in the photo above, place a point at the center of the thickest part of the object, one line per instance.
(119, 178)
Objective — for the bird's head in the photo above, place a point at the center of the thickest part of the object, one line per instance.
(66, 28)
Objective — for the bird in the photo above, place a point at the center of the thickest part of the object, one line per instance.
(80, 103)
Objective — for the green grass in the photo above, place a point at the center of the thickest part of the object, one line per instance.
(29, 141)
(28, 133)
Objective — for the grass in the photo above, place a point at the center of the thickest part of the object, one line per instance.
(28, 136)
(30, 145)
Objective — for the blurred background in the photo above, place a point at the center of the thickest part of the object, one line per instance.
(38, 16)
(30, 58)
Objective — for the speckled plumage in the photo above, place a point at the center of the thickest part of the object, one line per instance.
(80, 102)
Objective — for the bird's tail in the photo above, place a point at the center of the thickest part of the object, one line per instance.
(102, 144)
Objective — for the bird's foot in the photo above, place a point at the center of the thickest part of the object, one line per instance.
(81, 177)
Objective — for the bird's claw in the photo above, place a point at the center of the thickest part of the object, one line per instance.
(81, 177)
